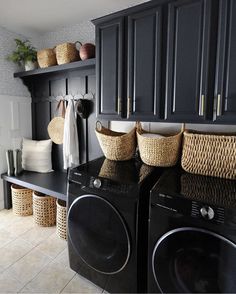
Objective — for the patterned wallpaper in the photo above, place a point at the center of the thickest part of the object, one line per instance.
(9, 85)
(83, 32)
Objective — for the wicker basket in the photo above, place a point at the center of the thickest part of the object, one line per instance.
(209, 154)
(46, 57)
(163, 151)
(44, 210)
(117, 146)
(22, 203)
(67, 52)
(61, 219)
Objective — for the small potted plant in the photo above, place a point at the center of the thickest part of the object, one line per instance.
(24, 55)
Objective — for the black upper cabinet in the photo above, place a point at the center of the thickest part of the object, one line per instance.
(225, 90)
(190, 87)
(167, 60)
(109, 67)
(129, 66)
(144, 64)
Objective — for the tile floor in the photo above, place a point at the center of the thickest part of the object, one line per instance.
(34, 260)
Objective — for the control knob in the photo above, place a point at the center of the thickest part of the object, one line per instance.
(97, 183)
(207, 212)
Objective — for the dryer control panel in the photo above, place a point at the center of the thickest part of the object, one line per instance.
(187, 207)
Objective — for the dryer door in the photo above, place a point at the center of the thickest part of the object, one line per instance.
(98, 234)
(192, 260)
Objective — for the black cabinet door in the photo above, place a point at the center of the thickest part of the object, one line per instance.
(225, 92)
(188, 58)
(144, 64)
(109, 68)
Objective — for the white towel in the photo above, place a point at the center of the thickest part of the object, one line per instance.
(70, 140)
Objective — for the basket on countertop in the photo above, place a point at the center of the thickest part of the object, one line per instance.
(22, 203)
(158, 150)
(209, 154)
(61, 219)
(46, 57)
(44, 209)
(115, 145)
(67, 52)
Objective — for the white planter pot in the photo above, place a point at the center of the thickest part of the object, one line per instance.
(30, 65)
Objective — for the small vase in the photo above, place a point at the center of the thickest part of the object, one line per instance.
(18, 162)
(10, 162)
(30, 65)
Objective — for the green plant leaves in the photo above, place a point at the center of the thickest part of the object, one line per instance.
(24, 52)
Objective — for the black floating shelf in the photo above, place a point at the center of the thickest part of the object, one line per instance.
(89, 63)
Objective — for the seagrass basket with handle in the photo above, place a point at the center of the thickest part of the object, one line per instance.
(116, 145)
(158, 150)
(67, 52)
(209, 154)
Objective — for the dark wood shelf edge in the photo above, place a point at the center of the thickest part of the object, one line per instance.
(18, 181)
(57, 68)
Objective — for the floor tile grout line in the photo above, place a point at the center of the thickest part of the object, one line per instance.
(23, 257)
(67, 283)
(51, 260)
(39, 271)
(36, 274)
(17, 261)
(56, 255)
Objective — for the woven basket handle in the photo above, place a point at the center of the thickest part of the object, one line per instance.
(182, 127)
(138, 126)
(98, 125)
(77, 43)
(60, 109)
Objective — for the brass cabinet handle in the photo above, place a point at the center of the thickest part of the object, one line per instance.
(128, 107)
(218, 112)
(119, 105)
(202, 104)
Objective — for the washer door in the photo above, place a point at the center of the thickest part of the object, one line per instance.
(191, 260)
(98, 234)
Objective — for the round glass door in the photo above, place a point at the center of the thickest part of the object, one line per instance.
(98, 234)
(191, 260)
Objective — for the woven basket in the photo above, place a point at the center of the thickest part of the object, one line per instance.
(163, 151)
(44, 210)
(209, 154)
(61, 219)
(46, 57)
(117, 146)
(22, 203)
(67, 52)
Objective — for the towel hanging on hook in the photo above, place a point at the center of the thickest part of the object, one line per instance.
(70, 141)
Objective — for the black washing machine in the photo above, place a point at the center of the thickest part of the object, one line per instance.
(107, 223)
(192, 234)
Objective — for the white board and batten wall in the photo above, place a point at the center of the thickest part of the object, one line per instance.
(15, 104)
